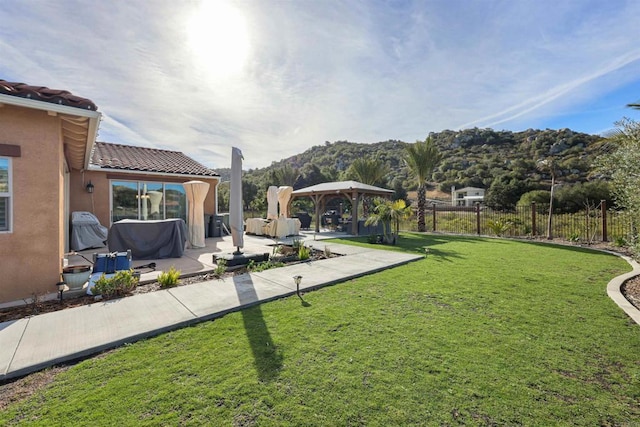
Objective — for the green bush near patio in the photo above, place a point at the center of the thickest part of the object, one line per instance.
(480, 332)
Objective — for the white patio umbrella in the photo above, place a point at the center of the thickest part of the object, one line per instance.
(284, 194)
(236, 220)
(196, 192)
(155, 197)
(272, 202)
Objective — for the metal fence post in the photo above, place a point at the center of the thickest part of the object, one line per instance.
(603, 209)
(434, 216)
(478, 217)
(534, 229)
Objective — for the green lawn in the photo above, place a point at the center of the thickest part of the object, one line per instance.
(481, 332)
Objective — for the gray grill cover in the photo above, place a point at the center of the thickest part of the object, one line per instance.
(86, 231)
(149, 239)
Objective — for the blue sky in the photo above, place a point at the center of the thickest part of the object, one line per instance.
(277, 77)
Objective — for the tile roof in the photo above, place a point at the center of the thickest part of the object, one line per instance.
(42, 93)
(130, 158)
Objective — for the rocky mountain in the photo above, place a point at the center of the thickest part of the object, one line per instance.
(471, 157)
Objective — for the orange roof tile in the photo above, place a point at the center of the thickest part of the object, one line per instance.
(127, 157)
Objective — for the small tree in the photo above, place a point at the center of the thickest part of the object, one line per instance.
(422, 158)
(399, 211)
(550, 165)
(388, 213)
(621, 162)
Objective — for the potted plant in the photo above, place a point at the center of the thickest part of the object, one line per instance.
(75, 276)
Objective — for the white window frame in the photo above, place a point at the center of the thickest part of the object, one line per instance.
(9, 196)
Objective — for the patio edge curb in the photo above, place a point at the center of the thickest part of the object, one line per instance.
(615, 284)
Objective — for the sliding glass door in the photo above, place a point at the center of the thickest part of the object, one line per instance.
(147, 200)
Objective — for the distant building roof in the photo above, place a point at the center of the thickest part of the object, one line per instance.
(141, 159)
(467, 189)
(42, 93)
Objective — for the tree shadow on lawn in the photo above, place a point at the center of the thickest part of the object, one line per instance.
(419, 243)
(574, 248)
(266, 355)
(425, 244)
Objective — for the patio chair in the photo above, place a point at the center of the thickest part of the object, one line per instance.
(111, 262)
(305, 220)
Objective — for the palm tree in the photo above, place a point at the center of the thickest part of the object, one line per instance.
(369, 171)
(389, 212)
(286, 175)
(399, 211)
(422, 158)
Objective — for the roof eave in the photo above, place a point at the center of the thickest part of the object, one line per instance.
(92, 135)
(55, 109)
(47, 106)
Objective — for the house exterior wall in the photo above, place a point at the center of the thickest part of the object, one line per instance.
(99, 201)
(467, 196)
(31, 254)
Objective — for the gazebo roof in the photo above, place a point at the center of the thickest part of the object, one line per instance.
(342, 187)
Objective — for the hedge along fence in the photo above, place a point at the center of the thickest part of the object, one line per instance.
(597, 224)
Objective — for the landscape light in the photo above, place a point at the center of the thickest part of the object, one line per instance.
(297, 279)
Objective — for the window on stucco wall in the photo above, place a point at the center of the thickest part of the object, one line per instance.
(147, 200)
(5, 194)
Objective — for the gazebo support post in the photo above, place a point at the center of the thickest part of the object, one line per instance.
(355, 201)
(318, 200)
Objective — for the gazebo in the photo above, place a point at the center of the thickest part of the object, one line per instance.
(352, 190)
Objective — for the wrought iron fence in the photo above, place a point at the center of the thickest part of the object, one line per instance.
(594, 224)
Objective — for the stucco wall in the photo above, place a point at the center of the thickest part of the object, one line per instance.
(30, 256)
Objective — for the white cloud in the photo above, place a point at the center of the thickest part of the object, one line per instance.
(331, 70)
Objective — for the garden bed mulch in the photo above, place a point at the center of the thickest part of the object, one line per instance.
(631, 291)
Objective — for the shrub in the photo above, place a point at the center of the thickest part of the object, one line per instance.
(541, 197)
(327, 252)
(499, 227)
(619, 241)
(221, 267)
(168, 279)
(297, 243)
(122, 283)
(574, 238)
(303, 253)
(262, 266)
